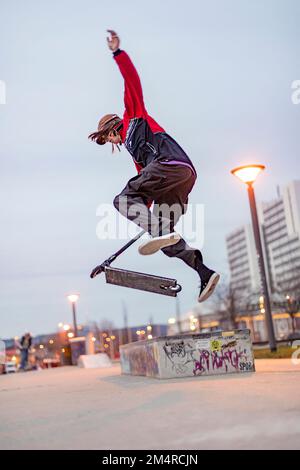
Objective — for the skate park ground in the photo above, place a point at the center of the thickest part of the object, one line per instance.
(74, 408)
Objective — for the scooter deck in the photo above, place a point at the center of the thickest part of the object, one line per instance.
(142, 281)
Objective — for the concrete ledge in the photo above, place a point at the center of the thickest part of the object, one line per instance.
(94, 361)
(188, 355)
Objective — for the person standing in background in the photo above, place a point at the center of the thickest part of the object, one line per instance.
(25, 345)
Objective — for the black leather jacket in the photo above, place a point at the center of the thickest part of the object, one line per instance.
(145, 146)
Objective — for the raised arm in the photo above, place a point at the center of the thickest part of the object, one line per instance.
(133, 97)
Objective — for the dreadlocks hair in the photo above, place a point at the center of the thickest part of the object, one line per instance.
(108, 123)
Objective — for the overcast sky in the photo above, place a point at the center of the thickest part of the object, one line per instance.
(216, 75)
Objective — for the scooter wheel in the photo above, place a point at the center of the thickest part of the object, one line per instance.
(176, 288)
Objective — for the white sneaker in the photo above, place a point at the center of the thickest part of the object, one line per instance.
(208, 286)
(155, 244)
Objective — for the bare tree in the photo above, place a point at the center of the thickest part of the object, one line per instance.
(291, 296)
(292, 309)
(106, 325)
(226, 300)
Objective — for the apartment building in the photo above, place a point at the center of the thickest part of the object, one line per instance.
(243, 265)
(280, 221)
(280, 230)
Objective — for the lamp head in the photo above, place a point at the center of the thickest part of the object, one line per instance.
(248, 173)
(73, 298)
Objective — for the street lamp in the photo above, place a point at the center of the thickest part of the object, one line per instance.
(248, 174)
(193, 322)
(178, 316)
(73, 299)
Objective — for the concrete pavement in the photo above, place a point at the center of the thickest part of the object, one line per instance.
(73, 408)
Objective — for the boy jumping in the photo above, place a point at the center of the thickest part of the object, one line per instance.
(165, 177)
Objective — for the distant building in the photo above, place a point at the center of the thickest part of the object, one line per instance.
(280, 220)
(280, 231)
(242, 259)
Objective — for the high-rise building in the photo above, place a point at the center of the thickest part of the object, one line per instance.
(243, 265)
(280, 220)
(280, 230)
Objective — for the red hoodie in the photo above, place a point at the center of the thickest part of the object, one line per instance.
(133, 96)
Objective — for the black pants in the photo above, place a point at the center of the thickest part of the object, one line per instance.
(168, 186)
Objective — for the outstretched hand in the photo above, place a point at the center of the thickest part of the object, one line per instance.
(113, 41)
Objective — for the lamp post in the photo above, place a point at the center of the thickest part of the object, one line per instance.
(171, 321)
(178, 316)
(73, 299)
(248, 174)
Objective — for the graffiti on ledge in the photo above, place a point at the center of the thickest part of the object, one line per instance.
(219, 357)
